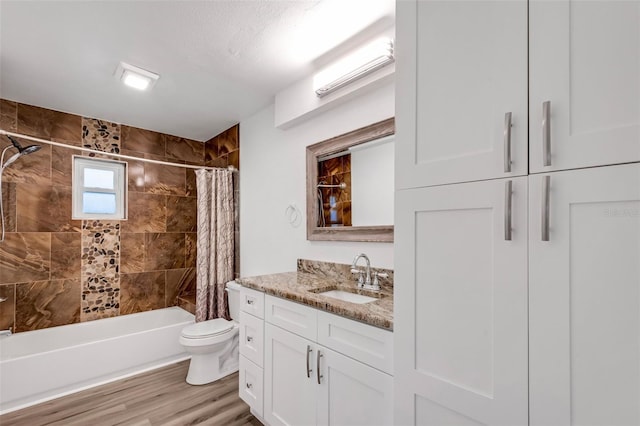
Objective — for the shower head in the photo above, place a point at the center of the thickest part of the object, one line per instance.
(21, 151)
(26, 150)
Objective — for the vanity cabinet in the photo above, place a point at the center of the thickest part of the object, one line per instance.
(492, 89)
(323, 369)
(251, 375)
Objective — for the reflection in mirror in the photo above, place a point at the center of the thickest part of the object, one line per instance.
(355, 186)
(350, 185)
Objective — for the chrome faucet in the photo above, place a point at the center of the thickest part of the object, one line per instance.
(362, 282)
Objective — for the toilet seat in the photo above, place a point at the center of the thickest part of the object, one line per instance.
(210, 328)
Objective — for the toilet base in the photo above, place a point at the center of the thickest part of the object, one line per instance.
(208, 367)
(202, 371)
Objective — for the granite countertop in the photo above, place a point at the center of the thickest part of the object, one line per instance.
(303, 286)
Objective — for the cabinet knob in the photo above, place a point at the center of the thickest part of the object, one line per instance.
(249, 339)
(249, 385)
(249, 301)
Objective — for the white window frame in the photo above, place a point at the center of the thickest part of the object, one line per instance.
(120, 186)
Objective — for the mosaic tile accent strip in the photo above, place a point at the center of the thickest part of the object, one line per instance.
(100, 269)
(100, 135)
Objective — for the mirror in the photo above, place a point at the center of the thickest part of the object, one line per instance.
(350, 185)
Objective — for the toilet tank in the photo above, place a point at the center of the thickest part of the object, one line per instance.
(233, 292)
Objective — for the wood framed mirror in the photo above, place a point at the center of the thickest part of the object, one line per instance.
(350, 185)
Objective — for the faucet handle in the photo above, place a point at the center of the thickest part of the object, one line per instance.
(376, 283)
(355, 271)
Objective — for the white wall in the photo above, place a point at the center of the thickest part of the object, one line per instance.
(273, 175)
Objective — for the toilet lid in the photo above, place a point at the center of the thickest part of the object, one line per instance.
(207, 328)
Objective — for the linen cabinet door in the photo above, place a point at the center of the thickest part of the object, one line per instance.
(584, 83)
(290, 388)
(460, 316)
(351, 393)
(461, 87)
(584, 297)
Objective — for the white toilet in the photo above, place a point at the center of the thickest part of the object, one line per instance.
(213, 344)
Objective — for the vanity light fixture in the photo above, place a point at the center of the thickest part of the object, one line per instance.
(136, 77)
(360, 63)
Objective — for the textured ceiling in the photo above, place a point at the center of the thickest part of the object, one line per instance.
(219, 61)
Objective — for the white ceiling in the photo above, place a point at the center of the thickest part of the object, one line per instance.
(219, 61)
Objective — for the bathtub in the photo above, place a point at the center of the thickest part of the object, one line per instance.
(36, 366)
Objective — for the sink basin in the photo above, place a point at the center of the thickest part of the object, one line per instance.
(348, 297)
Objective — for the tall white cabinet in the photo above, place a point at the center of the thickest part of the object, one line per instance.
(584, 63)
(584, 297)
(520, 295)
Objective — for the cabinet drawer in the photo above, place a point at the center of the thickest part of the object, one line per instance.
(291, 316)
(251, 337)
(252, 301)
(370, 345)
(251, 385)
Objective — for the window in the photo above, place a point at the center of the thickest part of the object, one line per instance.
(99, 188)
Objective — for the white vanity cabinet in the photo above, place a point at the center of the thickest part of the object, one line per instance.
(323, 369)
(251, 349)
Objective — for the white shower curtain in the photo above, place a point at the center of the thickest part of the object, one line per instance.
(215, 242)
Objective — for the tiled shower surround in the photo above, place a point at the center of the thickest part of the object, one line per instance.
(56, 271)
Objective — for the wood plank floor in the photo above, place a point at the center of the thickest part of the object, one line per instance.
(159, 397)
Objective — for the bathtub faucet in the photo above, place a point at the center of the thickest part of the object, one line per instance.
(5, 332)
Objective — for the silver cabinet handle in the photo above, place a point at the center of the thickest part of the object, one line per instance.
(249, 339)
(507, 142)
(508, 189)
(320, 376)
(546, 133)
(309, 350)
(546, 181)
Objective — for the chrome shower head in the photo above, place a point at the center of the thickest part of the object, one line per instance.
(21, 151)
(27, 150)
(30, 149)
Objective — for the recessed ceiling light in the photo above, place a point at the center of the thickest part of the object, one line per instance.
(135, 77)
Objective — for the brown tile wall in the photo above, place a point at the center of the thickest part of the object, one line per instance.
(56, 271)
(336, 201)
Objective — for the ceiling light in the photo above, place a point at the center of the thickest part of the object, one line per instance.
(135, 77)
(353, 67)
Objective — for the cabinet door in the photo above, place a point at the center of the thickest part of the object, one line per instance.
(351, 393)
(584, 298)
(290, 388)
(460, 326)
(462, 66)
(584, 60)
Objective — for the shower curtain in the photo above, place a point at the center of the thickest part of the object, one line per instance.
(215, 248)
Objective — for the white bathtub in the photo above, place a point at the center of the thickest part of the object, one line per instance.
(36, 366)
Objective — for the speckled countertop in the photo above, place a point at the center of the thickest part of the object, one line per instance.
(313, 277)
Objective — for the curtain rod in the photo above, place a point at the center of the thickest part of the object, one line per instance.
(126, 157)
